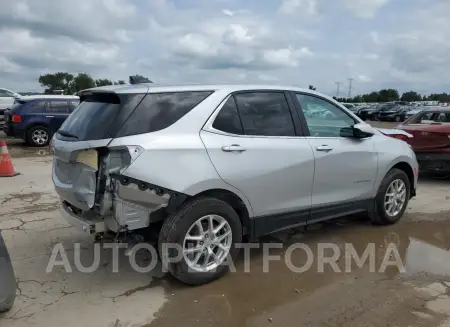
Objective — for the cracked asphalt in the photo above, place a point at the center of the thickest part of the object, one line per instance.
(120, 296)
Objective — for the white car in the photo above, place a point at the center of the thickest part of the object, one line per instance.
(7, 98)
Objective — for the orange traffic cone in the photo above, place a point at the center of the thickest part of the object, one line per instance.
(6, 167)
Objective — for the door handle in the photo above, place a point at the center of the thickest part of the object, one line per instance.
(324, 148)
(49, 116)
(233, 148)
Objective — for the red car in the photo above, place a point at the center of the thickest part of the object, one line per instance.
(431, 138)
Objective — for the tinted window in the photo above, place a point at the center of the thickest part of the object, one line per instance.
(228, 118)
(160, 110)
(99, 116)
(36, 107)
(57, 107)
(265, 113)
(322, 117)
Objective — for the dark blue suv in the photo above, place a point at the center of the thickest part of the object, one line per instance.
(36, 118)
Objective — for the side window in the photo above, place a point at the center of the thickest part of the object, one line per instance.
(323, 118)
(36, 107)
(228, 118)
(57, 107)
(265, 113)
(160, 110)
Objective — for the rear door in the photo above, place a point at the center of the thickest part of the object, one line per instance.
(345, 168)
(56, 112)
(257, 147)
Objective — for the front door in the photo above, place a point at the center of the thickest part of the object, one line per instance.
(345, 168)
(254, 146)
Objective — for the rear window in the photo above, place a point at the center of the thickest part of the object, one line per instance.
(109, 115)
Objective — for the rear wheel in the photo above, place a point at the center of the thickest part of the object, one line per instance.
(38, 136)
(206, 231)
(392, 198)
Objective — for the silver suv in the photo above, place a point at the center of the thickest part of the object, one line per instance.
(206, 165)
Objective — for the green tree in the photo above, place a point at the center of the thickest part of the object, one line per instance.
(411, 96)
(137, 79)
(81, 82)
(388, 95)
(56, 81)
(103, 82)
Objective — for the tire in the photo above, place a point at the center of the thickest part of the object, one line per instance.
(38, 136)
(176, 227)
(378, 213)
(398, 119)
(7, 278)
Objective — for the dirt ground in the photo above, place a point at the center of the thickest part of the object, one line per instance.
(419, 295)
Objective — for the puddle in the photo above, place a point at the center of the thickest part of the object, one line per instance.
(19, 149)
(253, 298)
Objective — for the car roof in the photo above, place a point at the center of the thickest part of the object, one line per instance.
(156, 88)
(48, 97)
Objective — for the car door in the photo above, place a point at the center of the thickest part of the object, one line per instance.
(56, 111)
(256, 147)
(345, 167)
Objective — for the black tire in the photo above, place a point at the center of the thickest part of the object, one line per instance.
(7, 278)
(31, 140)
(378, 213)
(175, 228)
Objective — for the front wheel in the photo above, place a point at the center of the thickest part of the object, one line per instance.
(198, 241)
(392, 198)
(38, 136)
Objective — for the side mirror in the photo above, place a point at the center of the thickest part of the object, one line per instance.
(359, 131)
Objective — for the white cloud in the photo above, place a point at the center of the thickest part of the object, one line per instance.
(365, 8)
(309, 42)
(290, 7)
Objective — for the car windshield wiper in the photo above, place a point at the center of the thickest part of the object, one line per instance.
(67, 134)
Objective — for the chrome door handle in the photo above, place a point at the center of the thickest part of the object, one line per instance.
(324, 148)
(49, 116)
(233, 148)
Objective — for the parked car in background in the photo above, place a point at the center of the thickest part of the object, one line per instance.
(204, 166)
(36, 118)
(396, 113)
(8, 284)
(373, 113)
(431, 138)
(413, 111)
(6, 101)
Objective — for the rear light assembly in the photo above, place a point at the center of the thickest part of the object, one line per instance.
(400, 137)
(16, 118)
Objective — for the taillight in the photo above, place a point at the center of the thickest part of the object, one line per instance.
(16, 118)
(399, 136)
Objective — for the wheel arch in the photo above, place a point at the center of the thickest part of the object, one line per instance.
(406, 167)
(234, 200)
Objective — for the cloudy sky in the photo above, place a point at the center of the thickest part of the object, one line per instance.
(379, 43)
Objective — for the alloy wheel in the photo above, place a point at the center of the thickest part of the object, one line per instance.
(39, 137)
(395, 198)
(207, 243)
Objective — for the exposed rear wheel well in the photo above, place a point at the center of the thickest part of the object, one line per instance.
(234, 201)
(409, 172)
